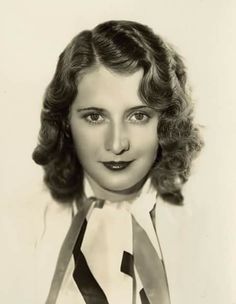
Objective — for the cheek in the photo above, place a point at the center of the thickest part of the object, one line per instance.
(86, 143)
(151, 151)
(147, 143)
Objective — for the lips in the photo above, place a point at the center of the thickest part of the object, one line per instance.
(116, 166)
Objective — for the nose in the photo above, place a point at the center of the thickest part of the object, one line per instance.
(117, 140)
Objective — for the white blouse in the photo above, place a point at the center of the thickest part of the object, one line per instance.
(106, 250)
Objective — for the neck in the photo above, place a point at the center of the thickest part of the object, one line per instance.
(116, 196)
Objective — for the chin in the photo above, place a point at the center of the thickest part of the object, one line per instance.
(123, 185)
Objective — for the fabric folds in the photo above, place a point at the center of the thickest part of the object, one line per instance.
(111, 255)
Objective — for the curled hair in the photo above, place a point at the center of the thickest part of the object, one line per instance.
(124, 47)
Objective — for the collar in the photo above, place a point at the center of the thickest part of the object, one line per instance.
(144, 202)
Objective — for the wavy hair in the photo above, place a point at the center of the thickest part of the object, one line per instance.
(124, 47)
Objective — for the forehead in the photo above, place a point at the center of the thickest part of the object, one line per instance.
(102, 85)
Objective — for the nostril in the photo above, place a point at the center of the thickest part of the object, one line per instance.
(118, 145)
(117, 140)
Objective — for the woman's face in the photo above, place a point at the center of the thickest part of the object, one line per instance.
(114, 132)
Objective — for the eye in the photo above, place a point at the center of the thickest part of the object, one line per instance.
(139, 117)
(94, 118)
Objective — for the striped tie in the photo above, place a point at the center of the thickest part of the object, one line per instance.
(149, 267)
(85, 281)
(67, 248)
(145, 259)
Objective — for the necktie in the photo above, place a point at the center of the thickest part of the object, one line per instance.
(149, 266)
(82, 275)
(67, 249)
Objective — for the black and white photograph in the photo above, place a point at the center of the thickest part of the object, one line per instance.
(118, 152)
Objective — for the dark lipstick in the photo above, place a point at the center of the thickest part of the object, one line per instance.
(116, 166)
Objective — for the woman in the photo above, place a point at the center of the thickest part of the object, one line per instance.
(116, 136)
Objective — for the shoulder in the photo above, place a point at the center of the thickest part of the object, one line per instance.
(23, 223)
(19, 220)
(55, 222)
(179, 230)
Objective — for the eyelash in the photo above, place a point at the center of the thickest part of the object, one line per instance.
(141, 121)
(88, 119)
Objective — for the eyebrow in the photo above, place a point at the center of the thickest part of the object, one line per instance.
(103, 110)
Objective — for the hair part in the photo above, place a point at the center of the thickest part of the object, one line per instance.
(124, 47)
